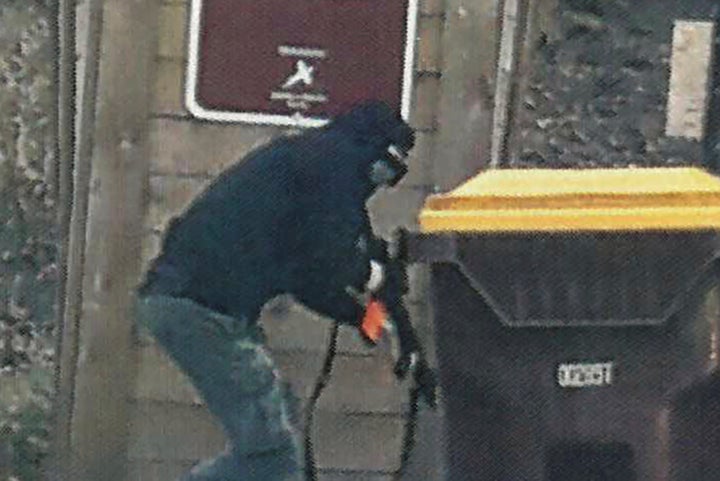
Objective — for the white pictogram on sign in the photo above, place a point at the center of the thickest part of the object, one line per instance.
(299, 90)
(303, 74)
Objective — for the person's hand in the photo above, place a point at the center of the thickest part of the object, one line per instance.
(424, 377)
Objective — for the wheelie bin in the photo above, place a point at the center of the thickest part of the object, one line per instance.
(577, 322)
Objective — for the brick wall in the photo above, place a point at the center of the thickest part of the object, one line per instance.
(358, 426)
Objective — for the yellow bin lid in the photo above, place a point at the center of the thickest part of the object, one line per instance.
(558, 200)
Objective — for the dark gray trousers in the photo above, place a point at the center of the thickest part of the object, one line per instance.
(225, 359)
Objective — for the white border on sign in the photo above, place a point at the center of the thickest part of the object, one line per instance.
(297, 120)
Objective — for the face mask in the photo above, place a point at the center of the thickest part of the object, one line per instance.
(387, 171)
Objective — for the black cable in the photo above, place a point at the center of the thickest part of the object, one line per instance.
(320, 384)
(408, 442)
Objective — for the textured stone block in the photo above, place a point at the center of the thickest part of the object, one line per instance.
(358, 443)
(184, 147)
(172, 30)
(428, 44)
(173, 432)
(168, 98)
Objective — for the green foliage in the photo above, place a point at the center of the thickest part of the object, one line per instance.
(24, 431)
(28, 272)
(27, 213)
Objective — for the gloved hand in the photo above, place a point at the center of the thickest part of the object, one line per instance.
(423, 375)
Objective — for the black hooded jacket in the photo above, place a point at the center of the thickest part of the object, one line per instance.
(289, 218)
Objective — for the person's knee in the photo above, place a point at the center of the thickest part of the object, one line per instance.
(252, 369)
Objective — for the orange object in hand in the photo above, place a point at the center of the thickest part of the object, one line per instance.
(374, 320)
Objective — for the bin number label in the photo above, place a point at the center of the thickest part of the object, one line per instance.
(580, 375)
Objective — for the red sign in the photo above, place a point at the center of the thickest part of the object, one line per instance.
(298, 62)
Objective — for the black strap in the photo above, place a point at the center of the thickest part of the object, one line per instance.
(320, 384)
(411, 416)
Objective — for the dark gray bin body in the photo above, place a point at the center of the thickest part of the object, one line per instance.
(646, 303)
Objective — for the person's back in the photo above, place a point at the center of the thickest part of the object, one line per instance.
(223, 252)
